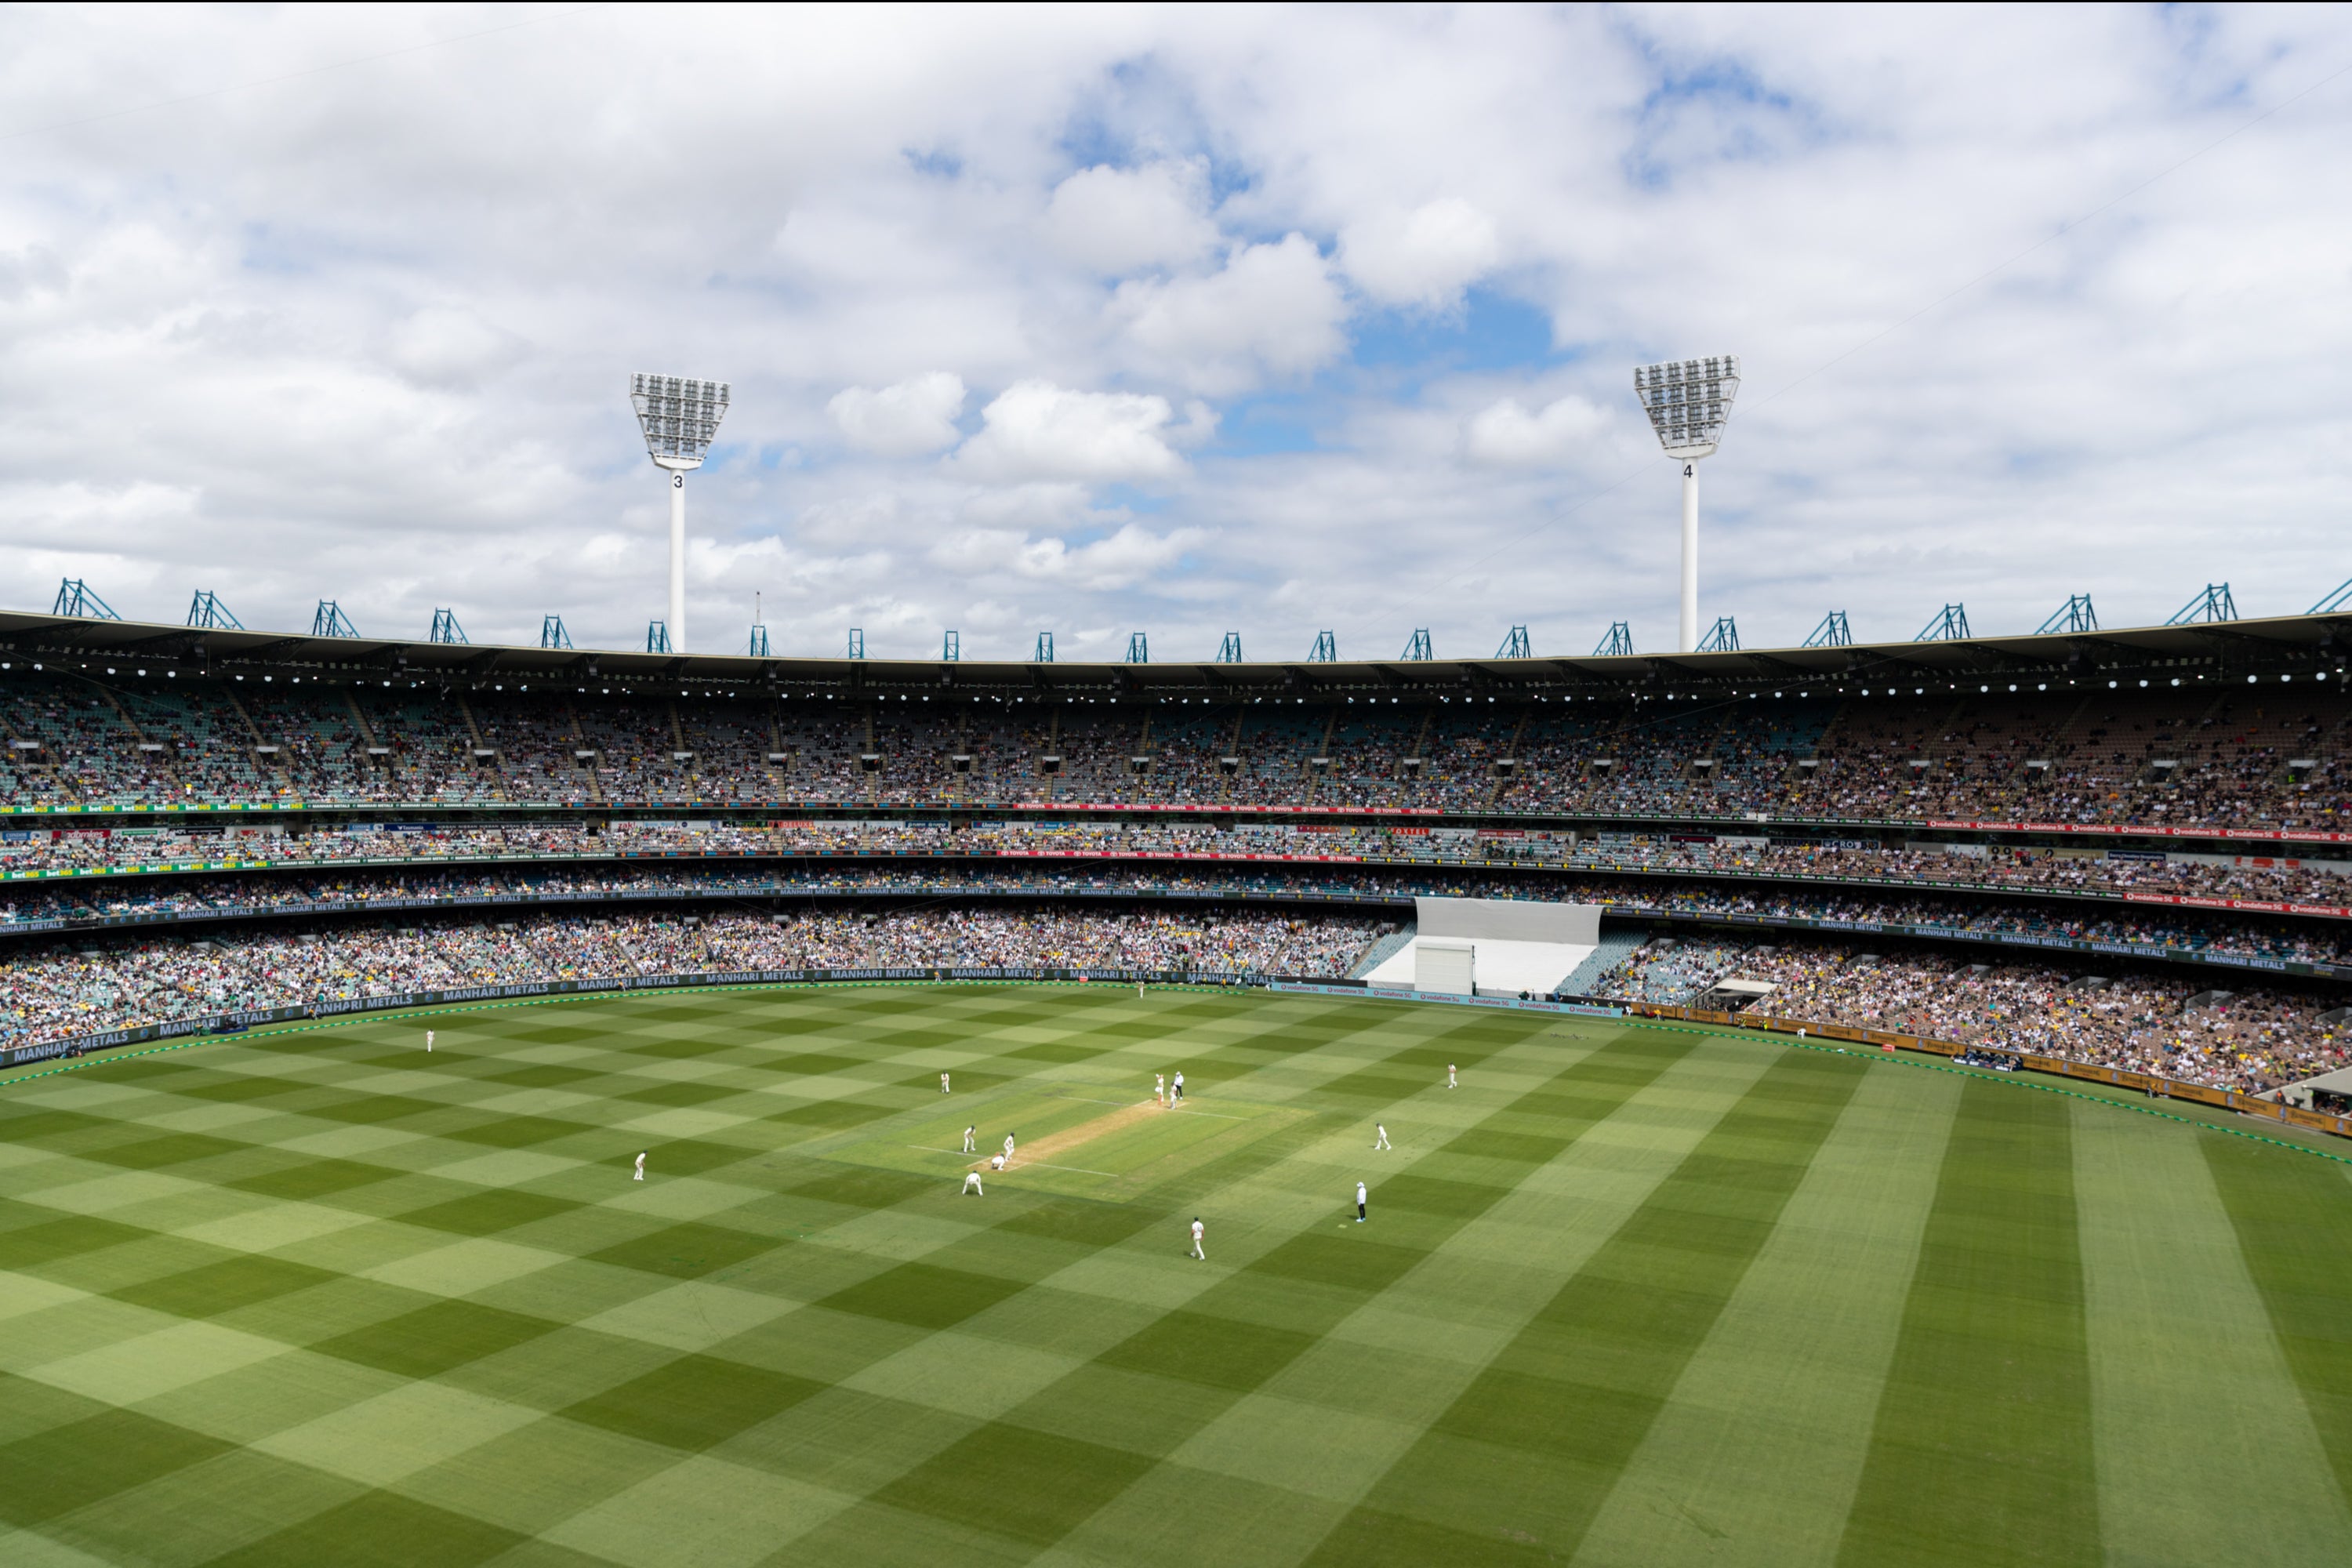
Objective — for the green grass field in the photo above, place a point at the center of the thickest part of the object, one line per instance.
(1628, 1296)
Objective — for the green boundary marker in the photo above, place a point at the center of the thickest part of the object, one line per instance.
(1877, 1057)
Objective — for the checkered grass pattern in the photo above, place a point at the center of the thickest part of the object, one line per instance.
(1627, 1296)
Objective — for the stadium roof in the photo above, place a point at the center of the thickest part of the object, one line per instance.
(2293, 640)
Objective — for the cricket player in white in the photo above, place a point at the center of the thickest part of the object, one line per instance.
(1159, 1088)
(969, 1147)
(943, 1083)
(1197, 1230)
(996, 1161)
(428, 1042)
(1449, 1082)
(641, 1168)
(1008, 1145)
(1178, 1092)
(1383, 1140)
(972, 1183)
(1360, 1203)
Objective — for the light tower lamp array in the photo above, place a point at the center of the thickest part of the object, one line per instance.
(680, 419)
(1687, 401)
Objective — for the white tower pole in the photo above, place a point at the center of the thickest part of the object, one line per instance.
(679, 417)
(1690, 559)
(677, 561)
(1687, 402)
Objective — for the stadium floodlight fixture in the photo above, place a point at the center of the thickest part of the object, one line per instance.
(680, 419)
(1688, 401)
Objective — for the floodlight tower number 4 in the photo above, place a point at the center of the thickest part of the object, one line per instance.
(1687, 401)
(680, 419)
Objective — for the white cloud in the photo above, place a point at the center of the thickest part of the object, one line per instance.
(1119, 220)
(451, 347)
(361, 335)
(903, 420)
(1034, 429)
(1506, 433)
(1425, 256)
(1121, 561)
(1270, 310)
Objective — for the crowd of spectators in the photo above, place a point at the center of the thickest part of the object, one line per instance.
(195, 896)
(2267, 879)
(57, 990)
(2203, 755)
(2250, 1038)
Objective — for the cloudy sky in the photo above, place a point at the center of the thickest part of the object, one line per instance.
(1099, 321)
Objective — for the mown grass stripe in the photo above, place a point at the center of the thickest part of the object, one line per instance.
(2169, 1395)
(1755, 1457)
(1981, 1449)
(1517, 1469)
(261, 1035)
(1171, 1377)
(1268, 1478)
(2292, 1221)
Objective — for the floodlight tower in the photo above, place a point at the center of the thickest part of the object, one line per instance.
(679, 417)
(1688, 400)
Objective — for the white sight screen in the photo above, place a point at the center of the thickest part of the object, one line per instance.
(680, 417)
(1688, 401)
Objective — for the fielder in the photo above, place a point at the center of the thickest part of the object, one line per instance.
(943, 1083)
(1197, 1229)
(972, 1183)
(1383, 1140)
(428, 1042)
(1360, 1203)
(970, 1147)
(641, 1167)
(1450, 1081)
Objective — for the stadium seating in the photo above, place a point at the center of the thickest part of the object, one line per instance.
(2219, 759)
(584, 832)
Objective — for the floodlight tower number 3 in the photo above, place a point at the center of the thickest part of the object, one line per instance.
(679, 417)
(1688, 401)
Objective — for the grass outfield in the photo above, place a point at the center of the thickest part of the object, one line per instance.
(1628, 1296)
